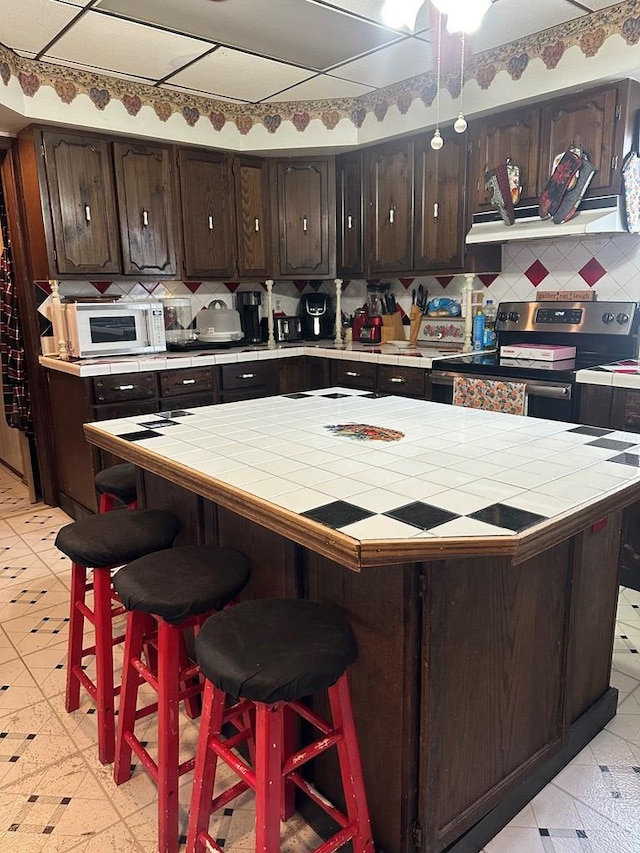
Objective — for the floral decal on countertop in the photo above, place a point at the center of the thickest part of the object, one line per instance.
(515, 58)
(365, 432)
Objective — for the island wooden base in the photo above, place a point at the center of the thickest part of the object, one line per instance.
(477, 678)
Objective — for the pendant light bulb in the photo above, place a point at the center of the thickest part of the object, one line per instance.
(460, 124)
(436, 140)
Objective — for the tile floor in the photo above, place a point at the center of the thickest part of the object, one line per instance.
(55, 796)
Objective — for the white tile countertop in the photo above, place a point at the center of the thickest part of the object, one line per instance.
(620, 374)
(371, 479)
(420, 356)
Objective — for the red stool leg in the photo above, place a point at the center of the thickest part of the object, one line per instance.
(204, 775)
(76, 634)
(169, 640)
(136, 624)
(269, 739)
(106, 502)
(350, 764)
(104, 664)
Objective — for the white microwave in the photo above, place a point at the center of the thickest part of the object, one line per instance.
(114, 328)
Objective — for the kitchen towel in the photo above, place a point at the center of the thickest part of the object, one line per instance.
(563, 177)
(631, 181)
(492, 395)
(570, 202)
(497, 182)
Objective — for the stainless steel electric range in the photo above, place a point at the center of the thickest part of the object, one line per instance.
(601, 332)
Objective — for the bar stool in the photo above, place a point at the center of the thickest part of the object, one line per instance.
(269, 654)
(102, 542)
(178, 589)
(117, 484)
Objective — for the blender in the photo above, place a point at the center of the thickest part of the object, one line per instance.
(369, 328)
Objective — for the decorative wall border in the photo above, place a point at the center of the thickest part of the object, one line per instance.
(549, 45)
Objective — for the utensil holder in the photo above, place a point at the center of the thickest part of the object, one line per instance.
(392, 328)
(415, 318)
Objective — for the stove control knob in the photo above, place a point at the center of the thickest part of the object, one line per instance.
(502, 316)
(608, 318)
(514, 316)
(622, 318)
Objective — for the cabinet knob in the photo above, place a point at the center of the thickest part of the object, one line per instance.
(256, 224)
(392, 215)
(349, 222)
(125, 387)
(188, 381)
(305, 224)
(145, 217)
(87, 213)
(398, 380)
(436, 209)
(210, 222)
(351, 373)
(245, 376)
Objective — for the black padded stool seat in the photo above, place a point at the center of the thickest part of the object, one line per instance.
(271, 650)
(117, 537)
(118, 480)
(182, 582)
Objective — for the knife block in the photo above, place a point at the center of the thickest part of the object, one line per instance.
(392, 328)
(415, 318)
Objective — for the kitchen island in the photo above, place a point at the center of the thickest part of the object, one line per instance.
(475, 553)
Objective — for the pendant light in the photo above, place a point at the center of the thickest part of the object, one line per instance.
(436, 140)
(460, 124)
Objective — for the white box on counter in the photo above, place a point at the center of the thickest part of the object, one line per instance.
(538, 352)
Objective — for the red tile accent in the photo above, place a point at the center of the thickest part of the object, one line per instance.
(536, 273)
(192, 286)
(592, 272)
(101, 286)
(407, 282)
(444, 280)
(300, 285)
(43, 285)
(488, 278)
(232, 286)
(372, 280)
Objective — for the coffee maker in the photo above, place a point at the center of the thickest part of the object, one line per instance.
(248, 305)
(316, 316)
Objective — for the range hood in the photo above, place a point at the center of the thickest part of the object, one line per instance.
(602, 215)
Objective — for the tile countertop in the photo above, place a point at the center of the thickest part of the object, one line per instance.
(420, 356)
(620, 374)
(371, 479)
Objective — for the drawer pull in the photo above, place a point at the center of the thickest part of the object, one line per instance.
(87, 213)
(305, 225)
(398, 380)
(349, 222)
(246, 376)
(188, 381)
(436, 210)
(351, 373)
(392, 215)
(124, 387)
(210, 222)
(145, 217)
(256, 224)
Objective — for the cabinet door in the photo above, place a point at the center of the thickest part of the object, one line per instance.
(253, 222)
(83, 204)
(588, 120)
(514, 136)
(391, 208)
(207, 214)
(146, 207)
(306, 210)
(439, 204)
(350, 208)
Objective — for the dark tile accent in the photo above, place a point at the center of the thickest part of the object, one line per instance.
(48, 830)
(182, 839)
(33, 798)
(510, 517)
(611, 444)
(631, 459)
(227, 812)
(337, 514)
(139, 435)
(374, 395)
(334, 396)
(581, 833)
(590, 430)
(297, 396)
(159, 424)
(544, 832)
(604, 768)
(176, 413)
(421, 515)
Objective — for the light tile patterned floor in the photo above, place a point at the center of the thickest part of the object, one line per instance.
(55, 796)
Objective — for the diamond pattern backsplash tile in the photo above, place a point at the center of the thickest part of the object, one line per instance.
(592, 272)
(536, 273)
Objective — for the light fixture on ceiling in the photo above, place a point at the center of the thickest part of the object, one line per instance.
(463, 16)
(460, 124)
(436, 140)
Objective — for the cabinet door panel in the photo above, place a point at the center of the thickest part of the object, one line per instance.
(251, 177)
(207, 214)
(588, 121)
(511, 136)
(350, 232)
(83, 204)
(391, 208)
(306, 200)
(145, 202)
(439, 204)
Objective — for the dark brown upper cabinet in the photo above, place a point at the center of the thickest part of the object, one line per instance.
(439, 203)
(253, 219)
(84, 220)
(208, 216)
(144, 184)
(350, 214)
(390, 207)
(306, 218)
(515, 136)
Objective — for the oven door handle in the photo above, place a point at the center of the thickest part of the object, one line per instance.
(557, 391)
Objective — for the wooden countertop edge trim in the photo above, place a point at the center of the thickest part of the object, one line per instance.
(384, 552)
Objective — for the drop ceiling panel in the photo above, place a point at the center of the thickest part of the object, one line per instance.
(595, 5)
(126, 47)
(31, 24)
(231, 73)
(509, 21)
(321, 88)
(96, 69)
(389, 65)
(188, 91)
(295, 31)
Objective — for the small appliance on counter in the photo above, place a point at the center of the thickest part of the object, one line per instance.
(218, 324)
(115, 328)
(284, 329)
(178, 319)
(316, 316)
(248, 305)
(367, 322)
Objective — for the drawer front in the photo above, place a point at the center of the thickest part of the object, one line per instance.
(355, 374)
(124, 410)
(409, 381)
(175, 382)
(127, 386)
(249, 374)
